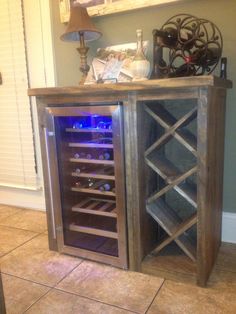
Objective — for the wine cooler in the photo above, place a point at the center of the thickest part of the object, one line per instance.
(84, 148)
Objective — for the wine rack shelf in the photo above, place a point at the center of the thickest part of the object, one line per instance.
(174, 227)
(174, 179)
(94, 175)
(91, 145)
(88, 130)
(95, 206)
(98, 232)
(92, 161)
(92, 191)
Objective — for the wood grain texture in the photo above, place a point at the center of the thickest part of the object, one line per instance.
(211, 124)
(132, 195)
(149, 85)
(111, 7)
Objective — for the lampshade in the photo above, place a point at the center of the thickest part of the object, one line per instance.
(80, 22)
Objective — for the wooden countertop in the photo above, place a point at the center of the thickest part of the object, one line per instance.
(149, 85)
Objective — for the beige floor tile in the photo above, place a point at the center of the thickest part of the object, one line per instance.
(20, 294)
(56, 302)
(227, 257)
(126, 289)
(33, 261)
(223, 281)
(33, 220)
(176, 298)
(6, 211)
(11, 238)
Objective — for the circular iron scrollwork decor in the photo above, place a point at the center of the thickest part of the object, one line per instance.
(186, 46)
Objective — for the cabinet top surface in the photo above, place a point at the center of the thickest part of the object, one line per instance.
(149, 85)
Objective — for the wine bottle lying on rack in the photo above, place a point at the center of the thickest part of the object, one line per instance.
(88, 183)
(80, 155)
(81, 169)
(105, 187)
(105, 155)
(169, 36)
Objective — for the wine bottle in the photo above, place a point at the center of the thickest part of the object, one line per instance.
(223, 68)
(79, 155)
(80, 169)
(105, 187)
(104, 125)
(90, 182)
(168, 36)
(185, 69)
(104, 156)
(205, 57)
(186, 39)
(140, 66)
(80, 125)
(89, 156)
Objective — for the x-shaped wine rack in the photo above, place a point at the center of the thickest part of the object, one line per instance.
(161, 212)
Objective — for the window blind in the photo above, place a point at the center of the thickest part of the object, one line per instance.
(17, 157)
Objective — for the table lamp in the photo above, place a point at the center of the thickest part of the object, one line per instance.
(80, 28)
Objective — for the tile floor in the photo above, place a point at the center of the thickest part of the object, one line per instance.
(36, 280)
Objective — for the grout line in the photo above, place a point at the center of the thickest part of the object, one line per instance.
(94, 300)
(11, 227)
(42, 296)
(158, 290)
(31, 281)
(17, 247)
(68, 273)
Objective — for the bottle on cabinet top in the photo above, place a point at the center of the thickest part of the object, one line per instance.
(223, 68)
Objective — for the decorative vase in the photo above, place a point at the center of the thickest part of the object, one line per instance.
(140, 66)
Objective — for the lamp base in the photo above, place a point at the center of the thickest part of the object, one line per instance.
(84, 67)
(83, 50)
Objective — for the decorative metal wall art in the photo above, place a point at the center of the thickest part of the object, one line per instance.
(186, 46)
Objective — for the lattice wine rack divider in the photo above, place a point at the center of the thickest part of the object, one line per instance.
(162, 213)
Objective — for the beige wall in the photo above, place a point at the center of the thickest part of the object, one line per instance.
(120, 28)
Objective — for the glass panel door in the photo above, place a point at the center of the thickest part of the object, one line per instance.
(89, 154)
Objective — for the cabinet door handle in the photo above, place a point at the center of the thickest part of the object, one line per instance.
(50, 184)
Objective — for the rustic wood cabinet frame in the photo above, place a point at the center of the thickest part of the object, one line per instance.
(209, 93)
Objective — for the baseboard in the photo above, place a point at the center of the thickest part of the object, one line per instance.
(229, 227)
(22, 198)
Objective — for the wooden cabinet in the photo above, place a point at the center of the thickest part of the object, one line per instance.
(173, 149)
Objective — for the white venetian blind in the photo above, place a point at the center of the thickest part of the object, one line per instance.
(17, 159)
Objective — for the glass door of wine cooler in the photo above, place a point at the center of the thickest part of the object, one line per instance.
(86, 144)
